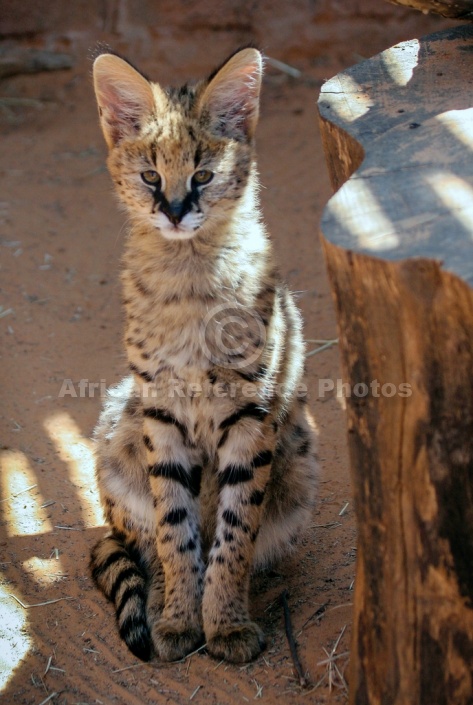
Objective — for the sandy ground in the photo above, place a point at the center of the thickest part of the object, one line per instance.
(60, 322)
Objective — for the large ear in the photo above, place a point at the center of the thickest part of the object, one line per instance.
(231, 99)
(123, 95)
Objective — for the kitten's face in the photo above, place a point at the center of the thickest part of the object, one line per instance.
(179, 178)
(180, 159)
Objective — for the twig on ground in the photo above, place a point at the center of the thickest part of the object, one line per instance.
(325, 346)
(195, 691)
(319, 341)
(48, 665)
(332, 667)
(50, 697)
(290, 638)
(318, 613)
(40, 604)
(218, 664)
(188, 656)
(17, 494)
(259, 689)
(281, 66)
(339, 639)
(333, 658)
(317, 685)
(127, 668)
(339, 607)
(69, 528)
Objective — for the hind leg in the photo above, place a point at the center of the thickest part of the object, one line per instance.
(123, 581)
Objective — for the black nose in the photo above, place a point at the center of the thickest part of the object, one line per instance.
(175, 210)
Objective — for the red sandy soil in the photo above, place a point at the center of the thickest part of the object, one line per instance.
(60, 319)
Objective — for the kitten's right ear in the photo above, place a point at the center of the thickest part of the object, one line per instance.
(124, 97)
(231, 99)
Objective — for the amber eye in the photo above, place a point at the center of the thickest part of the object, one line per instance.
(151, 177)
(203, 176)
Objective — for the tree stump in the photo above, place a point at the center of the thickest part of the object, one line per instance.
(398, 241)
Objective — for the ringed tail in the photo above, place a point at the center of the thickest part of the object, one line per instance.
(122, 581)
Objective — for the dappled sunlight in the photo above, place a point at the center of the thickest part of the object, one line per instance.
(460, 124)
(456, 194)
(359, 104)
(14, 640)
(76, 451)
(400, 61)
(45, 571)
(21, 500)
(357, 210)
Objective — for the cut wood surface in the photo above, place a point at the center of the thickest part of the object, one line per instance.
(398, 240)
(457, 9)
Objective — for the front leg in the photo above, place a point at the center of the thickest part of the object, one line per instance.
(245, 456)
(174, 474)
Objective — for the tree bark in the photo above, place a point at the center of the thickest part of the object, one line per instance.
(398, 242)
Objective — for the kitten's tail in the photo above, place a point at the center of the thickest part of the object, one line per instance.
(122, 581)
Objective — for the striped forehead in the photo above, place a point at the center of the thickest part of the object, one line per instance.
(173, 140)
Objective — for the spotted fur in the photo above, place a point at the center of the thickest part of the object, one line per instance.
(205, 452)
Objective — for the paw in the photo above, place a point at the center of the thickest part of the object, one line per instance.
(237, 643)
(172, 643)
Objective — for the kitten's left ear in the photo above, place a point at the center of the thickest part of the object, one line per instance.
(231, 99)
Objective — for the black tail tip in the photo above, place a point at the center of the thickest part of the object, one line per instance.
(141, 649)
(136, 634)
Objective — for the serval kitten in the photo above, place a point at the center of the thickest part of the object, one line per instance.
(205, 455)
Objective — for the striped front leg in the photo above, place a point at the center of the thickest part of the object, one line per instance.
(175, 471)
(245, 456)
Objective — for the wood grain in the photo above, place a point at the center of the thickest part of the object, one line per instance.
(398, 242)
